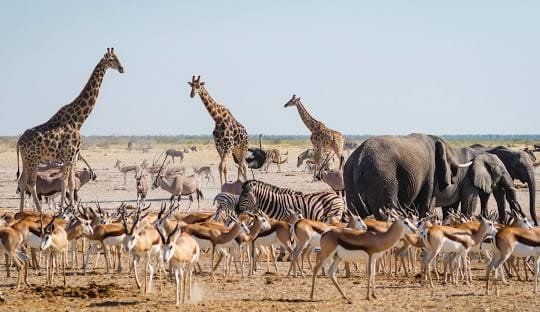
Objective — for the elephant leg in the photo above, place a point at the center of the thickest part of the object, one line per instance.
(501, 205)
(484, 198)
(423, 199)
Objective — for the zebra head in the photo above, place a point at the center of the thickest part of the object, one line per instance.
(247, 200)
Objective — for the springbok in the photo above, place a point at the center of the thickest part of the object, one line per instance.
(124, 169)
(349, 245)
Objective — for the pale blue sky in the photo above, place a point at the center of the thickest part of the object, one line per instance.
(376, 67)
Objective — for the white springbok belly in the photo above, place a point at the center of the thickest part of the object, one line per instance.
(114, 240)
(315, 240)
(267, 240)
(522, 250)
(350, 255)
(452, 246)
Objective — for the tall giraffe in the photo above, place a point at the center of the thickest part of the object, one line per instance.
(229, 134)
(323, 138)
(59, 138)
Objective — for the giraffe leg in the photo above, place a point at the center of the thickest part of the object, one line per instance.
(317, 160)
(222, 170)
(70, 181)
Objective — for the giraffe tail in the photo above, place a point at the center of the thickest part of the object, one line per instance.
(18, 169)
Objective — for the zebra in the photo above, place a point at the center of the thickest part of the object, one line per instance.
(174, 153)
(225, 205)
(279, 203)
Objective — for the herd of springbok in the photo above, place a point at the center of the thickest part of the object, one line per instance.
(171, 243)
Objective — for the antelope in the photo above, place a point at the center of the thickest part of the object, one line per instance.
(274, 156)
(54, 237)
(178, 185)
(11, 241)
(307, 236)
(111, 234)
(142, 241)
(49, 182)
(76, 229)
(215, 237)
(181, 251)
(141, 180)
(439, 238)
(27, 225)
(349, 245)
(279, 233)
(334, 179)
(517, 242)
(174, 153)
(204, 172)
(260, 223)
(124, 169)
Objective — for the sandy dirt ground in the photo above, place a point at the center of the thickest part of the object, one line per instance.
(262, 292)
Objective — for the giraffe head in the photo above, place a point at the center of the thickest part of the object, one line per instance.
(293, 101)
(196, 85)
(110, 60)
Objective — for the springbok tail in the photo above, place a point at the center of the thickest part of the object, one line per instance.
(200, 194)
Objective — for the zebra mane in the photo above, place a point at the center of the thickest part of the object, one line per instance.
(271, 187)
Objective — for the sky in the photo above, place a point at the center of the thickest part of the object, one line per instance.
(361, 67)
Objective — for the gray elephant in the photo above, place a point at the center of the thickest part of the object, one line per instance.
(520, 166)
(388, 171)
(488, 175)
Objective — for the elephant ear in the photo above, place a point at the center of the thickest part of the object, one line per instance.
(481, 175)
(443, 171)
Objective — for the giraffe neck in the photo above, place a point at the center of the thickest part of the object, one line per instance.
(212, 107)
(78, 111)
(311, 123)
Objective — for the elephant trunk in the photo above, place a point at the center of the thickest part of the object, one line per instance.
(532, 194)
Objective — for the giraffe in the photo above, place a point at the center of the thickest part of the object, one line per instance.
(323, 138)
(230, 136)
(59, 138)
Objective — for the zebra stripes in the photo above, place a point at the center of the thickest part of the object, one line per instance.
(278, 203)
(225, 205)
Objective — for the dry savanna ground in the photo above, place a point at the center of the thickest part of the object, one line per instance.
(262, 292)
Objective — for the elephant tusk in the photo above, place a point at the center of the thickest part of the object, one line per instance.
(465, 165)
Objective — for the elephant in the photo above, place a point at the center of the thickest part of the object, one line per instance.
(487, 175)
(390, 171)
(520, 166)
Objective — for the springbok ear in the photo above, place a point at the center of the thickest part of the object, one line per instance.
(202, 83)
(190, 83)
